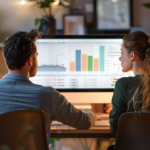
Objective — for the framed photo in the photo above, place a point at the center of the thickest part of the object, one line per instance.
(113, 16)
(74, 24)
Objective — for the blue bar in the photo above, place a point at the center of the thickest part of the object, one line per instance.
(78, 60)
(102, 58)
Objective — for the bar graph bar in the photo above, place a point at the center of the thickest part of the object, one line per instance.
(102, 58)
(96, 66)
(84, 62)
(78, 60)
(72, 66)
(90, 63)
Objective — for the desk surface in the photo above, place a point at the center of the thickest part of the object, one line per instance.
(64, 131)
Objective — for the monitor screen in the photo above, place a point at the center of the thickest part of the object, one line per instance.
(87, 63)
(113, 14)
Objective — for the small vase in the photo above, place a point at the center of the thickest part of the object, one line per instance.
(48, 25)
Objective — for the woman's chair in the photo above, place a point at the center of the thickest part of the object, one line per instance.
(24, 129)
(133, 131)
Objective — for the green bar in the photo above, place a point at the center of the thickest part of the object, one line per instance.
(102, 58)
(112, 85)
(90, 63)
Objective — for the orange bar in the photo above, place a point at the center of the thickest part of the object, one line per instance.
(115, 79)
(72, 66)
(96, 62)
(84, 62)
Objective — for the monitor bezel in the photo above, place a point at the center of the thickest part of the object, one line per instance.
(105, 36)
(115, 36)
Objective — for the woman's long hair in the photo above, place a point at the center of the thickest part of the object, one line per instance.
(139, 43)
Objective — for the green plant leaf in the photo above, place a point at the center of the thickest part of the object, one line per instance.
(147, 5)
(62, 4)
(43, 4)
(37, 21)
(46, 3)
(51, 140)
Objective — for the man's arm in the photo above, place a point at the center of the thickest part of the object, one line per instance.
(66, 113)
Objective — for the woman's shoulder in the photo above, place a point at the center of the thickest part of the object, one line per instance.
(129, 80)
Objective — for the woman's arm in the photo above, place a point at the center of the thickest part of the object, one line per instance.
(119, 105)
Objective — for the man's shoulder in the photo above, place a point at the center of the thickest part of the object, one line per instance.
(41, 88)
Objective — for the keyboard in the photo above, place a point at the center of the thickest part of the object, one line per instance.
(103, 122)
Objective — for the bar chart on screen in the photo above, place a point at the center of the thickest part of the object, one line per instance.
(83, 59)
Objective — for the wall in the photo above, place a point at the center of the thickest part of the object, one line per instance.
(3, 69)
(144, 15)
(15, 17)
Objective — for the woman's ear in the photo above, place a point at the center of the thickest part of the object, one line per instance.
(132, 56)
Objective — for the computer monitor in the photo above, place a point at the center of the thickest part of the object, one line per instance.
(88, 65)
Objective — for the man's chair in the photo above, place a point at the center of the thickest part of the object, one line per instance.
(133, 131)
(23, 130)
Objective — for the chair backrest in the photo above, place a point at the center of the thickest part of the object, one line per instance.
(23, 130)
(133, 131)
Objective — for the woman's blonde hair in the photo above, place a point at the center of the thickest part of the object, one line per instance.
(139, 43)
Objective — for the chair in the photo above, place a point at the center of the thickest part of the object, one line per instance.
(23, 130)
(133, 131)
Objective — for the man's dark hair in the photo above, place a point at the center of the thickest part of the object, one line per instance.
(19, 47)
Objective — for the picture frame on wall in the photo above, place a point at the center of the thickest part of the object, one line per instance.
(74, 24)
(113, 16)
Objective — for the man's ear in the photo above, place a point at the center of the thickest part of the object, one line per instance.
(132, 56)
(30, 60)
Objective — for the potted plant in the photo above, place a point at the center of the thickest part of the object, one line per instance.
(47, 24)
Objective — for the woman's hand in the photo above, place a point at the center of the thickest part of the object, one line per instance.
(108, 108)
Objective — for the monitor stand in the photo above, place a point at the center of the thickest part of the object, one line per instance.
(88, 97)
(83, 100)
(83, 106)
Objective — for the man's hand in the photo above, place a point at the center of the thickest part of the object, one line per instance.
(98, 118)
(108, 108)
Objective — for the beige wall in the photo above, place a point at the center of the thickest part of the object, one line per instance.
(141, 15)
(144, 15)
(3, 69)
(136, 13)
(15, 17)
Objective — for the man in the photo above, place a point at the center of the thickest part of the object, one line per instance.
(17, 92)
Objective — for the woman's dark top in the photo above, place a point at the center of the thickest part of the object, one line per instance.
(124, 90)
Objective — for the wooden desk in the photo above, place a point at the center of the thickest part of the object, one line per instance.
(64, 131)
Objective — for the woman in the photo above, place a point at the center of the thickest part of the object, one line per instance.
(132, 93)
